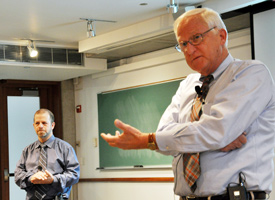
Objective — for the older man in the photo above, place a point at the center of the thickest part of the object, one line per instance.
(208, 113)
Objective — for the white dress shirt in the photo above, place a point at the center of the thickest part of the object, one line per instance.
(241, 98)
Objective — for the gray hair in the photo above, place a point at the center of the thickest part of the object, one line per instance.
(211, 17)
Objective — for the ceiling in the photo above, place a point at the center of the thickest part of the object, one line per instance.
(163, 41)
(59, 21)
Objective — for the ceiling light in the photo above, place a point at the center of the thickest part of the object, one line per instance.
(32, 49)
(172, 7)
(33, 53)
(91, 26)
(90, 29)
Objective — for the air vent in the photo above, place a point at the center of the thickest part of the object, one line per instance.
(59, 56)
(13, 53)
(1, 52)
(45, 55)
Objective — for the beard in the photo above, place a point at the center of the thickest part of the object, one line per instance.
(43, 134)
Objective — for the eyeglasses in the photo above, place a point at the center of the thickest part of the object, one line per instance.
(194, 40)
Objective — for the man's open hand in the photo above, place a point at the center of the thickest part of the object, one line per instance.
(130, 138)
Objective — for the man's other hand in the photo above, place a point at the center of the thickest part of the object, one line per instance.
(236, 144)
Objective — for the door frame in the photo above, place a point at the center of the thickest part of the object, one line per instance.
(50, 98)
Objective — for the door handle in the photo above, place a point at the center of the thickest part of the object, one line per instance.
(6, 175)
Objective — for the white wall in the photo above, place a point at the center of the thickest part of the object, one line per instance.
(264, 38)
(264, 48)
(143, 69)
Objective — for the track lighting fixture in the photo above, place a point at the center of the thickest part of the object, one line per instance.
(91, 26)
(90, 29)
(172, 7)
(32, 48)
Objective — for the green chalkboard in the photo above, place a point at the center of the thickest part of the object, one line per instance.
(140, 107)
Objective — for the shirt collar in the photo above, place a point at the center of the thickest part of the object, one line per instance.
(48, 143)
(225, 63)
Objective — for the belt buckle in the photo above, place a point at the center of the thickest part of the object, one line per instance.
(190, 197)
(194, 197)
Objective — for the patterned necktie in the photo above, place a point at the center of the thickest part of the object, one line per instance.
(191, 163)
(40, 191)
(43, 158)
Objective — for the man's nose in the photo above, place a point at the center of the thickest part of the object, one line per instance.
(189, 49)
(40, 124)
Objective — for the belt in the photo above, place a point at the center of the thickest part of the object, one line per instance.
(56, 198)
(256, 194)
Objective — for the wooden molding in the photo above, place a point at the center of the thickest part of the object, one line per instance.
(140, 179)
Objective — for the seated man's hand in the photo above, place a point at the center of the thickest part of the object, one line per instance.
(42, 177)
(236, 144)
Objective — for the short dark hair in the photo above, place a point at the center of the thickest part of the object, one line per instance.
(44, 110)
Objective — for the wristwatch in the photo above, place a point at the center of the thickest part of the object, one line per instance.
(151, 144)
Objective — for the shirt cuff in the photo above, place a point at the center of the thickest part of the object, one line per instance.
(55, 182)
(28, 181)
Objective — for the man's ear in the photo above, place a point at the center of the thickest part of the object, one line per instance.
(53, 125)
(223, 36)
